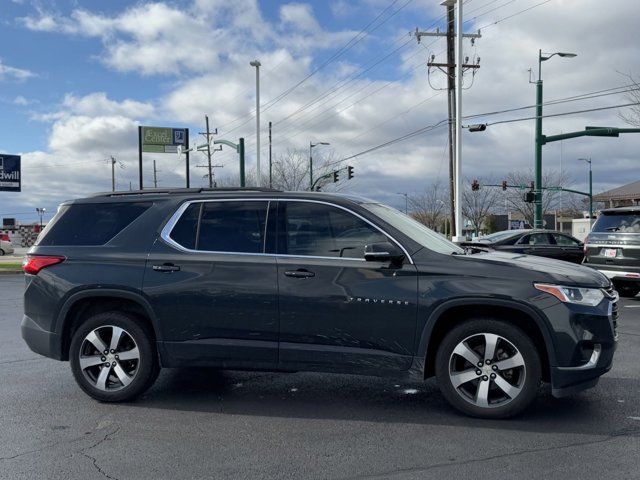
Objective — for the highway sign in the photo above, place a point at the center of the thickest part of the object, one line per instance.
(10, 173)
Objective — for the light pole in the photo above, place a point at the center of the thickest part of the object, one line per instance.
(257, 64)
(311, 145)
(542, 57)
(588, 160)
(40, 214)
(406, 201)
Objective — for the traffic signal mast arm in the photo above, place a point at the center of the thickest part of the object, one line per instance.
(588, 132)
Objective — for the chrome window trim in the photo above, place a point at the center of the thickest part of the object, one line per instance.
(166, 230)
(609, 245)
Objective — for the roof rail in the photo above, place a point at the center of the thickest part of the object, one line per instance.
(174, 191)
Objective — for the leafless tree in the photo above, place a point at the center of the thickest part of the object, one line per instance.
(429, 207)
(550, 197)
(477, 205)
(290, 172)
(631, 115)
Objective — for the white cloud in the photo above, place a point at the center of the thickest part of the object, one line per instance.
(8, 72)
(22, 101)
(206, 49)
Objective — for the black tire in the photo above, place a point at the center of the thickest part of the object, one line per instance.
(1, 252)
(522, 381)
(141, 372)
(627, 290)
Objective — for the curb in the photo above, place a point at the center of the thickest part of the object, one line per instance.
(11, 272)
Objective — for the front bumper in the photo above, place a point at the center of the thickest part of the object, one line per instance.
(39, 340)
(585, 343)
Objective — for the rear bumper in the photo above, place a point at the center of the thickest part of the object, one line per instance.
(40, 341)
(626, 274)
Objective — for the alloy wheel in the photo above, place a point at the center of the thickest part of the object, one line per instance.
(487, 370)
(109, 358)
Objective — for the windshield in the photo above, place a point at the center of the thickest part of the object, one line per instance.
(618, 222)
(496, 237)
(414, 229)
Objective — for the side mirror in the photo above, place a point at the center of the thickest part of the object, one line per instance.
(382, 252)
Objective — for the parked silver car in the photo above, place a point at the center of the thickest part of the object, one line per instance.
(6, 247)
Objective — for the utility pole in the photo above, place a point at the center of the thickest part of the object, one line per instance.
(113, 174)
(208, 152)
(449, 69)
(270, 161)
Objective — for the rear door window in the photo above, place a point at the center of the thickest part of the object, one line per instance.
(233, 227)
(90, 223)
(536, 239)
(565, 241)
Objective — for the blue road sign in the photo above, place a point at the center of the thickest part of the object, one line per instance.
(10, 173)
(179, 136)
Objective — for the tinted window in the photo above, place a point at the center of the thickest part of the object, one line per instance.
(91, 223)
(565, 240)
(232, 227)
(186, 228)
(313, 229)
(535, 239)
(618, 222)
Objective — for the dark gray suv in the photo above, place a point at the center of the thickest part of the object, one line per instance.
(121, 284)
(613, 248)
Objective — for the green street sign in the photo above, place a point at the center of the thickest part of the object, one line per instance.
(162, 139)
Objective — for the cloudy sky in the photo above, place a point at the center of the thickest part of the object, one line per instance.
(78, 77)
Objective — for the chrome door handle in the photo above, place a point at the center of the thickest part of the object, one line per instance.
(299, 273)
(167, 267)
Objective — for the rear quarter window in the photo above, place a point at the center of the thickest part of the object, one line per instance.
(90, 223)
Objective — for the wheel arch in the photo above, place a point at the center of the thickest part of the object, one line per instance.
(90, 302)
(454, 312)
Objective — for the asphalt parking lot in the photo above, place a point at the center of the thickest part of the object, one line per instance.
(206, 424)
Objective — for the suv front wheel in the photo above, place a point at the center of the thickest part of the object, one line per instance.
(113, 357)
(488, 368)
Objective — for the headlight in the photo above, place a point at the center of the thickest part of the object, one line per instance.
(580, 296)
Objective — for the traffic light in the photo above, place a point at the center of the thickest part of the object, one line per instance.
(530, 197)
(336, 176)
(349, 172)
(504, 185)
(475, 185)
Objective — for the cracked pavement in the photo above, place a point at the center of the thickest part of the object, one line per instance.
(200, 423)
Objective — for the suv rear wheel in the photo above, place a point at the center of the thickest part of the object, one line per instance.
(113, 358)
(488, 368)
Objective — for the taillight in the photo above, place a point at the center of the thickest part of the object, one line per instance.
(32, 264)
(4, 237)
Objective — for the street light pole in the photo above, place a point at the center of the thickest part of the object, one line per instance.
(311, 145)
(406, 201)
(40, 214)
(588, 160)
(542, 57)
(257, 64)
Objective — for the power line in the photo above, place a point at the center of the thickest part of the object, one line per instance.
(350, 44)
(585, 96)
(564, 113)
(445, 121)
